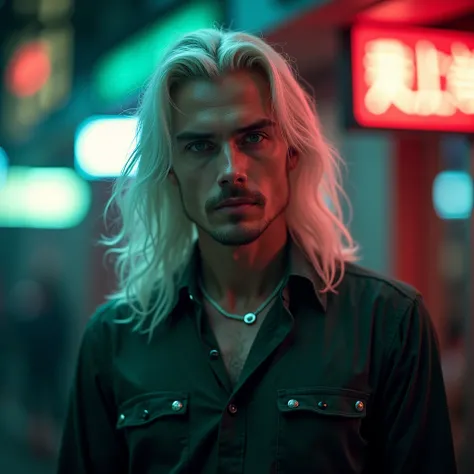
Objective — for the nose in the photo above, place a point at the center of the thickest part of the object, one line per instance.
(233, 167)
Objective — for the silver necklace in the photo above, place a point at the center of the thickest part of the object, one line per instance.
(249, 318)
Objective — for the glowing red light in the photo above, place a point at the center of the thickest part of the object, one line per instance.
(413, 78)
(28, 70)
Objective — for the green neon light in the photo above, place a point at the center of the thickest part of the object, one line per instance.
(125, 70)
(43, 198)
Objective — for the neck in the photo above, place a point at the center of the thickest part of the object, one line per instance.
(245, 273)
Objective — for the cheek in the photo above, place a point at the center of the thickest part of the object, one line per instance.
(192, 191)
(189, 188)
(275, 187)
(277, 178)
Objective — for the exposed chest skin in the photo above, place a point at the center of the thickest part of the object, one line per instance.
(235, 339)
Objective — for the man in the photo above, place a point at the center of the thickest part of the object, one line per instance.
(261, 348)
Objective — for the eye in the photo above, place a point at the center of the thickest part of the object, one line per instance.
(254, 138)
(200, 147)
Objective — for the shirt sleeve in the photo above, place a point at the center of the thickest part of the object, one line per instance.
(412, 410)
(90, 442)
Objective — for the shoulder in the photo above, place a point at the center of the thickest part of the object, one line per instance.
(391, 304)
(376, 287)
(105, 315)
(106, 323)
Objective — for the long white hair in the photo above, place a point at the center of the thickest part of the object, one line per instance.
(155, 239)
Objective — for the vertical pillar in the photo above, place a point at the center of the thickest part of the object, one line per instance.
(369, 188)
(467, 453)
(417, 229)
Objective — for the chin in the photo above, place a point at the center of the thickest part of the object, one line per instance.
(237, 235)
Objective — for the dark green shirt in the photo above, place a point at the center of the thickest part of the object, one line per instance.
(340, 383)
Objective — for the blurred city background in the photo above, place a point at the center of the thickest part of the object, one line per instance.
(395, 95)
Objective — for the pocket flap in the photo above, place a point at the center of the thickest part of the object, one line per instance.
(324, 401)
(145, 408)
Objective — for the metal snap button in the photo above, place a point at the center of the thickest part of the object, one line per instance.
(293, 403)
(145, 415)
(322, 405)
(214, 354)
(359, 406)
(232, 409)
(176, 405)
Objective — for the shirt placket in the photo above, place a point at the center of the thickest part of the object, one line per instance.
(233, 424)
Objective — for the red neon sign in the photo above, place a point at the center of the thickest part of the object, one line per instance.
(29, 70)
(419, 79)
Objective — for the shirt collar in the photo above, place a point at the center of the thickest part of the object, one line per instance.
(300, 267)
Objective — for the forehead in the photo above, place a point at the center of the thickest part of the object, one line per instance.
(221, 105)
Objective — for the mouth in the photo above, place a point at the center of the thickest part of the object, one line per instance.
(236, 204)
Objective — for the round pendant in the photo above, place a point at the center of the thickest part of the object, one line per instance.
(250, 318)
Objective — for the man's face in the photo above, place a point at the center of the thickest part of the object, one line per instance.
(230, 161)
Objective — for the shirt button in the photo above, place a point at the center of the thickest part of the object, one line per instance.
(191, 297)
(293, 403)
(145, 415)
(214, 354)
(122, 418)
(322, 405)
(232, 409)
(359, 406)
(176, 405)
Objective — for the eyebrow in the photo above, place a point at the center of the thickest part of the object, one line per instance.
(258, 125)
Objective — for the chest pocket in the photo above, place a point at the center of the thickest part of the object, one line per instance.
(319, 430)
(157, 430)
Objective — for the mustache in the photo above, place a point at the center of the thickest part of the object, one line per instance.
(235, 192)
